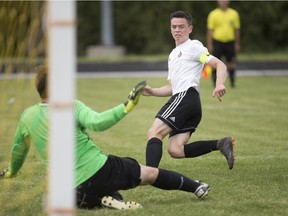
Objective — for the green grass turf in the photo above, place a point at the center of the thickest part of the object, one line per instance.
(255, 113)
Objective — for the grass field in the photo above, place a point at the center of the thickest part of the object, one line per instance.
(255, 113)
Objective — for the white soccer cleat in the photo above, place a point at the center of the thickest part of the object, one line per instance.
(203, 190)
(113, 203)
(203, 183)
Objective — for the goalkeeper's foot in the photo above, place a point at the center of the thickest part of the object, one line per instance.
(113, 203)
(137, 90)
(226, 146)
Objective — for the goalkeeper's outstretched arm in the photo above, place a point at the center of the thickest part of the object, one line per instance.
(101, 121)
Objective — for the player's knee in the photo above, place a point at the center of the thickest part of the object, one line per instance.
(153, 173)
(176, 152)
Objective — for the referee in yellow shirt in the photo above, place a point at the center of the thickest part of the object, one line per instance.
(223, 36)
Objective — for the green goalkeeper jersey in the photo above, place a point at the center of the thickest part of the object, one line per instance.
(33, 128)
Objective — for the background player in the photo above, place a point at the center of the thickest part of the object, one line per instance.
(223, 36)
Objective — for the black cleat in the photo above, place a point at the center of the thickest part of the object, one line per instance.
(226, 146)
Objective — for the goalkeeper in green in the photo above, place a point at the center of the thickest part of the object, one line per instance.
(98, 176)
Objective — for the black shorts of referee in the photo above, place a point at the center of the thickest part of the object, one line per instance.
(227, 50)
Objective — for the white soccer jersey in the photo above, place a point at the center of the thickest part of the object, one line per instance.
(185, 65)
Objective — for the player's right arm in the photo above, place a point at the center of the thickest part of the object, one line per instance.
(20, 149)
(5, 173)
(163, 91)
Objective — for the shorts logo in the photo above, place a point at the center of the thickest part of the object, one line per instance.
(172, 119)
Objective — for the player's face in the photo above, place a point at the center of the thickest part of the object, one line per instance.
(180, 30)
(223, 4)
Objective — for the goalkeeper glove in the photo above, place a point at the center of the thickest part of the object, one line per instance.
(7, 174)
(134, 96)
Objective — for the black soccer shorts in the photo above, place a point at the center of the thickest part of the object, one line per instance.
(224, 49)
(182, 112)
(116, 174)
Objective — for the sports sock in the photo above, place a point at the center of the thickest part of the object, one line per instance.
(170, 180)
(198, 148)
(214, 77)
(232, 77)
(153, 152)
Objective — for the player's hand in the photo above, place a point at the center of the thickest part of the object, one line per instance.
(6, 174)
(147, 91)
(219, 91)
(134, 96)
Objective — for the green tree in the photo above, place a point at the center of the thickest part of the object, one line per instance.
(143, 27)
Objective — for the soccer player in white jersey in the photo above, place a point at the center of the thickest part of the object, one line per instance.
(180, 116)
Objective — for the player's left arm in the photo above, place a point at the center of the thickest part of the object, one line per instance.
(95, 121)
(163, 91)
(237, 32)
(237, 40)
(221, 73)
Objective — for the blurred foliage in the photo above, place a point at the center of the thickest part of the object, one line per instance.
(143, 27)
(22, 38)
(21, 29)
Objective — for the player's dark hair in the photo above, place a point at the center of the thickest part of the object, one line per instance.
(182, 14)
(41, 80)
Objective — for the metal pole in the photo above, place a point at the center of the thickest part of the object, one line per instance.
(62, 70)
(107, 34)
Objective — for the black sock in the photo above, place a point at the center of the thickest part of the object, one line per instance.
(214, 77)
(153, 152)
(198, 148)
(232, 77)
(170, 180)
